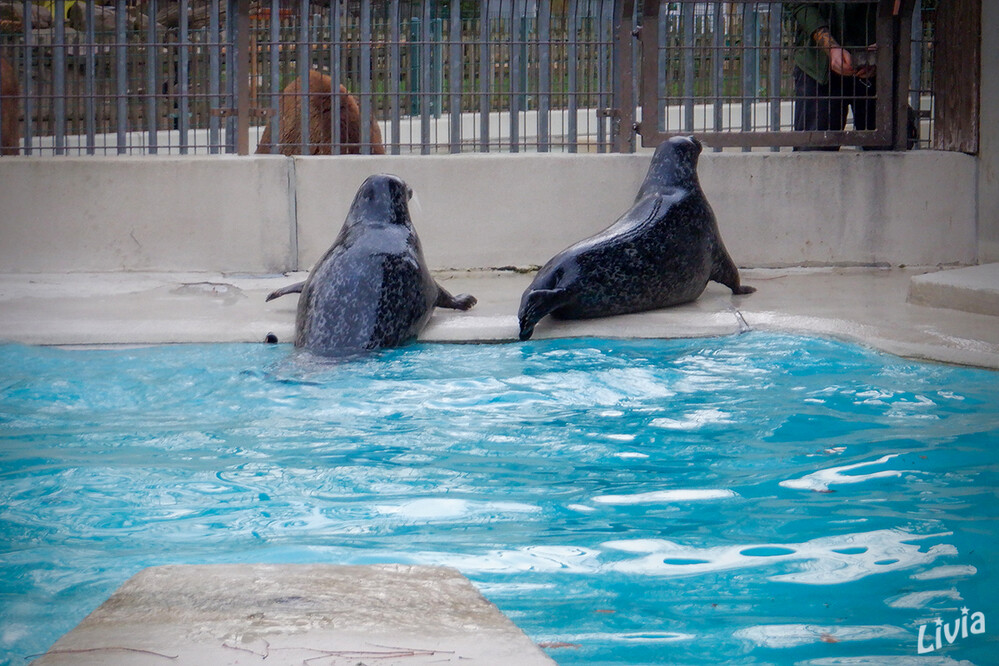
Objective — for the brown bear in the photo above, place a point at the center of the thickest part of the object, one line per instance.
(10, 124)
(319, 121)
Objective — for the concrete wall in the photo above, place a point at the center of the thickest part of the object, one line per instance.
(145, 214)
(988, 169)
(271, 214)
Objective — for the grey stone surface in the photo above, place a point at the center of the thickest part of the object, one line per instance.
(291, 614)
(971, 289)
(863, 305)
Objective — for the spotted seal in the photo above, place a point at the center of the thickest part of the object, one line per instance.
(661, 252)
(372, 288)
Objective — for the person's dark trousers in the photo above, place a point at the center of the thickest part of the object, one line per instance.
(823, 107)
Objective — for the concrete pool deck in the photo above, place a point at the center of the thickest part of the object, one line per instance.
(871, 306)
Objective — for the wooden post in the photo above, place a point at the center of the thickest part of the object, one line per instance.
(956, 75)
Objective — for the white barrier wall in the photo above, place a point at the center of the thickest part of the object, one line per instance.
(272, 214)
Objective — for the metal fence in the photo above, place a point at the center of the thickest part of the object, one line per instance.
(726, 71)
(227, 76)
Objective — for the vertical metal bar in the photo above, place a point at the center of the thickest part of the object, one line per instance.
(336, 75)
(13, 69)
(121, 76)
(916, 70)
(526, 35)
(485, 75)
(604, 35)
(214, 72)
(774, 78)
(544, 75)
(901, 31)
(425, 81)
(28, 89)
(184, 102)
(437, 65)
(651, 68)
(302, 61)
(664, 22)
(275, 76)
(243, 77)
(572, 67)
(623, 70)
(748, 60)
(718, 43)
(687, 18)
(366, 77)
(152, 50)
(90, 78)
(454, 77)
(59, 77)
(395, 74)
(231, 74)
(517, 11)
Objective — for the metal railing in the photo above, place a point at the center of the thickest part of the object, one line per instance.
(725, 71)
(231, 76)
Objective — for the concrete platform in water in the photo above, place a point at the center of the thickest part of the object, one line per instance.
(295, 614)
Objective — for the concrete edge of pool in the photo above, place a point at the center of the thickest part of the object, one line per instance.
(897, 310)
(295, 614)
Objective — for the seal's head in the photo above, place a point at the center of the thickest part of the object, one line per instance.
(382, 198)
(673, 165)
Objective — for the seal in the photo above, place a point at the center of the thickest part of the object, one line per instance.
(662, 252)
(372, 288)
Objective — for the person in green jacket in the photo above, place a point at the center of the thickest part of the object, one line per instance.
(834, 65)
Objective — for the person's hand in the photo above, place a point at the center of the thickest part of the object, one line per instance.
(868, 71)
(840, 61)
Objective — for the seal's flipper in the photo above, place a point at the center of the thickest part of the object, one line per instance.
(724, 270)
(459, 302)
(538, 303)
(284, 291)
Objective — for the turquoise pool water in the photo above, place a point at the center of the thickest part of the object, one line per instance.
(752, 499)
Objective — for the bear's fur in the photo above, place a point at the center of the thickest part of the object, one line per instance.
(10, 124)
(290, 121)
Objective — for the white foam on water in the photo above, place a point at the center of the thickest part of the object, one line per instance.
(794, 635)
(645, 637)
(923, 599)
(693, 421)
(440, 508)
(821, 561)
(821, 480)
(667, 496)
(886, 660)
(544, 559)
(948, 571)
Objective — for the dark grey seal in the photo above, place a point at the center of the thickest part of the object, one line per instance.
(661, 252)
(372, 288)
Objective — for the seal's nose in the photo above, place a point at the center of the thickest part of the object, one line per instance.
(409, 193)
